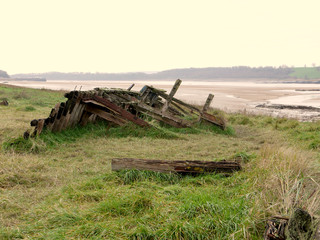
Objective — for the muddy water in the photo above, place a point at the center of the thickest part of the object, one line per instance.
(229, 96)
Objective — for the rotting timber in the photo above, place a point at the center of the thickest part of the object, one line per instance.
(166, 166)
(119, 106)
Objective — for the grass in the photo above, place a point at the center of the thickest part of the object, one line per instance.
(60, 186)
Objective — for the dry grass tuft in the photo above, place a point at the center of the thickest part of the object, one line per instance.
(21, 95)
(289, 181)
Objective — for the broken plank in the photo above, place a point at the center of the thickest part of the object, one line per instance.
(160, 116)
(165, 96)
(85, 118)
(105, 115)
(175, 166)
(213, 119)
(40, 126)
(124, 114)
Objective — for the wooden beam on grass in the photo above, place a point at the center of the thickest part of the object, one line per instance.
(175, 166)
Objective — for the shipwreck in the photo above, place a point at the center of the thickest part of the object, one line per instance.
(119, 106)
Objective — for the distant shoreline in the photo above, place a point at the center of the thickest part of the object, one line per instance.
(255, 80)
(23, 79)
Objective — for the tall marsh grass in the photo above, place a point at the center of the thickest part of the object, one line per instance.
(289, 181)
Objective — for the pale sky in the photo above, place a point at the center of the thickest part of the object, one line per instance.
(149, 35)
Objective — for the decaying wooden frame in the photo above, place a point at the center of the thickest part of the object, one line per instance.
(119, 106)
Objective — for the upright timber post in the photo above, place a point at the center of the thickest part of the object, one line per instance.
(129, 88)
(170, 96)
(208, 102)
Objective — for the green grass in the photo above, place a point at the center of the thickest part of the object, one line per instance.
(158, 206)
(60, 186)
(306, 73)
(306, 134)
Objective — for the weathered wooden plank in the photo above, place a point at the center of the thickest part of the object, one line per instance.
(171, 94)
(92, 118)
(59, 118)
(125, 114)
(67, 114)
(79, 114)
(73, 114)
(63, 121)
(77, 111)
(56, 119)
(129, 88)
(175, 166)
(213, 119)
(165, 96)
(40, 126)
(85, 118)
(52, 116)
(75, 107)
(183, 112)
(208, 102)
(160, 116)
(105, 115)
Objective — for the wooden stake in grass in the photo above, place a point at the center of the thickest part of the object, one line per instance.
(208, 102)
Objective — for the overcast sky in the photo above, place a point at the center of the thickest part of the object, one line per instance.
(149, 35)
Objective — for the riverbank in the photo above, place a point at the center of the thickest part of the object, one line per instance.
(230, 96)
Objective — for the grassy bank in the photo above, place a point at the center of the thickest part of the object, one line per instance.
(306, 72)
(60, 185)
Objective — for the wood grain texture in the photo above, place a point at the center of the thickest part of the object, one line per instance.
(186, 166)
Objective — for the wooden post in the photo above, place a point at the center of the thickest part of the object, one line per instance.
(208, 102)
(129, 88)
(171, 94)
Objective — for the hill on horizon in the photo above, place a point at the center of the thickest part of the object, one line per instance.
(4, 74)
(239, 72)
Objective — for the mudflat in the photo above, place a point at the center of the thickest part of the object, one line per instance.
(230, 96)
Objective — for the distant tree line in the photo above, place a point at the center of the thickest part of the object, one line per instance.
(185, 73)
(4, 74)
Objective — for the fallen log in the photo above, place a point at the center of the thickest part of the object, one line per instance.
(187, 166)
